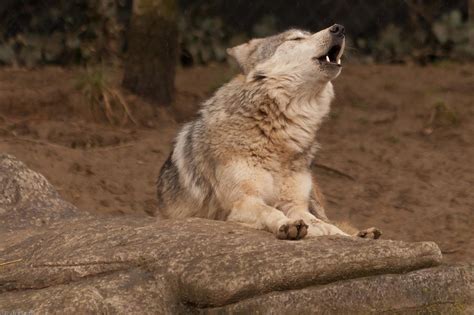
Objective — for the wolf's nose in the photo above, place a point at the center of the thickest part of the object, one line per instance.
(337, 29)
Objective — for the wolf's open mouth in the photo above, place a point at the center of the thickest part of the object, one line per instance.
(333, 56)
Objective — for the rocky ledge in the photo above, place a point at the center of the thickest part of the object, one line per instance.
(57, 259)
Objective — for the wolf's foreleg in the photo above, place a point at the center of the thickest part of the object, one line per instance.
(294, 202)
(242, 191)
(316, 227)
(252, 211)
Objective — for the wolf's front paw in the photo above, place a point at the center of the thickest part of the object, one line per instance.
(293, 230)
(370, 233)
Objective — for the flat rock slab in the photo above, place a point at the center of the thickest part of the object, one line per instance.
(75, 263)
(195, 265)
(439, 290)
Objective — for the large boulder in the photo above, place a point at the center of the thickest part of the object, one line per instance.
(28, 202)
(74, 263)
(27, 199)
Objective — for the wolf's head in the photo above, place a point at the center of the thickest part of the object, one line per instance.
(295, 54)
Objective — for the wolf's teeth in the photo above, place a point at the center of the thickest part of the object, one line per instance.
(339, 61)
(327, 58)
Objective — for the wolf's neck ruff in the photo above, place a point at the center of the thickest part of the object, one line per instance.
(284, 113)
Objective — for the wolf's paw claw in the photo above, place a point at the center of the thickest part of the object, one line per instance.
(370, 233)
(293, 230)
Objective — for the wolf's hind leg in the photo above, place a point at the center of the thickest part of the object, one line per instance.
(370, 233)
(319, 227)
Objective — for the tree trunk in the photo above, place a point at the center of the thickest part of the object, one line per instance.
(470, 20)
(152, 50)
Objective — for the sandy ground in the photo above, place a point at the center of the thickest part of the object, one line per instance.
(397, 150)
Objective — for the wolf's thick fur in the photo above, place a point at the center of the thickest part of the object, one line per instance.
(247, 156)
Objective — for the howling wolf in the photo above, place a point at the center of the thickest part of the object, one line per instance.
(246, 158)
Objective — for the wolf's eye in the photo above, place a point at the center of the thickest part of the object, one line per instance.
(296, 38)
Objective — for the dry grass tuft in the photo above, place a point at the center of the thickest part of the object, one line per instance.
(441, 115)
(103, 97)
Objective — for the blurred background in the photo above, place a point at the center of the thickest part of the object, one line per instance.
(85, 31)
(92, 94)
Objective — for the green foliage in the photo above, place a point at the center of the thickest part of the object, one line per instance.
(266, 26)
(448, 38)
(204, 39)
(92, 31)
(93, 82)
(391, 45)
(453, 34)
(80, 31)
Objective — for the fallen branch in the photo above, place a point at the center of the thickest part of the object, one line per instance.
(114, 147)
(10, 262)
(450, 251)
(333, 170)
(107, 108)
(124, 105)
(39, 142)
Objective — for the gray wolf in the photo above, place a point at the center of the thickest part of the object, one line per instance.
(246, 157)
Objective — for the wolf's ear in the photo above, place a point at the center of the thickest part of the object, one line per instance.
(240, 54)
(243, 55)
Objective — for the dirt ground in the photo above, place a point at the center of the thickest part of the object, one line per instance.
(397, 150)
